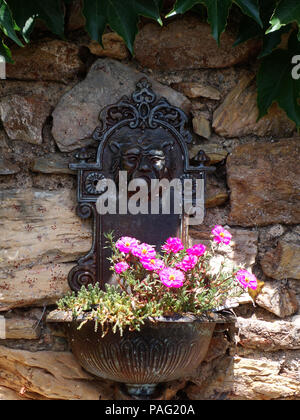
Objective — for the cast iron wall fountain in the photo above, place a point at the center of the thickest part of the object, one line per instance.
(146, 137)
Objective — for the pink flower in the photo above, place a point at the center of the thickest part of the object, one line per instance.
(173, 245)
(188, 263)
(144, 251)
(221, 235)
(246, 279)
(152, 264)
(197, 250)
(126, 244)
(171, 277)
(121, 267)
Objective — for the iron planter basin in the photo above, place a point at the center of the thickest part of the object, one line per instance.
(163, 351)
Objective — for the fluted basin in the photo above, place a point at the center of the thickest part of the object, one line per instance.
(164, 350)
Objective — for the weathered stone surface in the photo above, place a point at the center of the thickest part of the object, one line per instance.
(214, 151)
(283, 262)
(50, 375)
(268, 336)
(36, 286)
(253, 377)
(39, 231)
(50, 60)
(7, 167)
(264, 179)
(262, 379)
(237, 116)
(201, 126)
(77, 114)
(218, 346)
(7, 394)
(49, 92)
(187, 43)
(278, 298)
(54, 163)
(23, 118)
(216, 193)
(41, 227)
(197, 90)
(17, 328)
(114, 47)
(242, 250)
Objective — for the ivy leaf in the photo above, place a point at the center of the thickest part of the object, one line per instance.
(124, 20)
(276, 84)
(5, 52)
(287, 11)
(250, 29)
(251, 9)
(272, 40)
(218, 11)
(7, 23)
(148, 8)
(50, 11)
(182, 6)
(96, 20)
(122, 17)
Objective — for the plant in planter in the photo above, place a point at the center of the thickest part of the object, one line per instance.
(155, 323)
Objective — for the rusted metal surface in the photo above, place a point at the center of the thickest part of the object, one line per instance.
(146, 137)
(163, 351)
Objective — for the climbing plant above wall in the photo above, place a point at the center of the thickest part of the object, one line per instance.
(278, 77)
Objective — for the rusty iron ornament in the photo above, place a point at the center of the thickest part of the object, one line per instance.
(148, 138)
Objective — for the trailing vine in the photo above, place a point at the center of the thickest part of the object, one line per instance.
(278, 76)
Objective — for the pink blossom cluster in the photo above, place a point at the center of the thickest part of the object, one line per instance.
(170, 276)
(177, 261)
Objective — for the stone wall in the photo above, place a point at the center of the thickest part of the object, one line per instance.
(49, 107)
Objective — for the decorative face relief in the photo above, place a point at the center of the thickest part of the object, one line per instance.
(145, 154)
(147, 139)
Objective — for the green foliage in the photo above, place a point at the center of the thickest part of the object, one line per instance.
(139, 294)
(286, 12)
(218, 11)
(275, 83)
(121, 16)
(264, 19)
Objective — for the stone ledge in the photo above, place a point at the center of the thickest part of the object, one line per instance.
(268, 336)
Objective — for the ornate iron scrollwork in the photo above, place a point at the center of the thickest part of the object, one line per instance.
(147, 138)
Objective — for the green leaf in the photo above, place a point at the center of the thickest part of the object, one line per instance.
(5, 52)
(7, 23)
(121, 16)
(96, 20)
(251, 9)
(182, 6)
(287, 11)
(272, 40)
(250, 29)
(276, 84)
(218, 11)
(148, 8)
(123, 20)
(50, 11)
